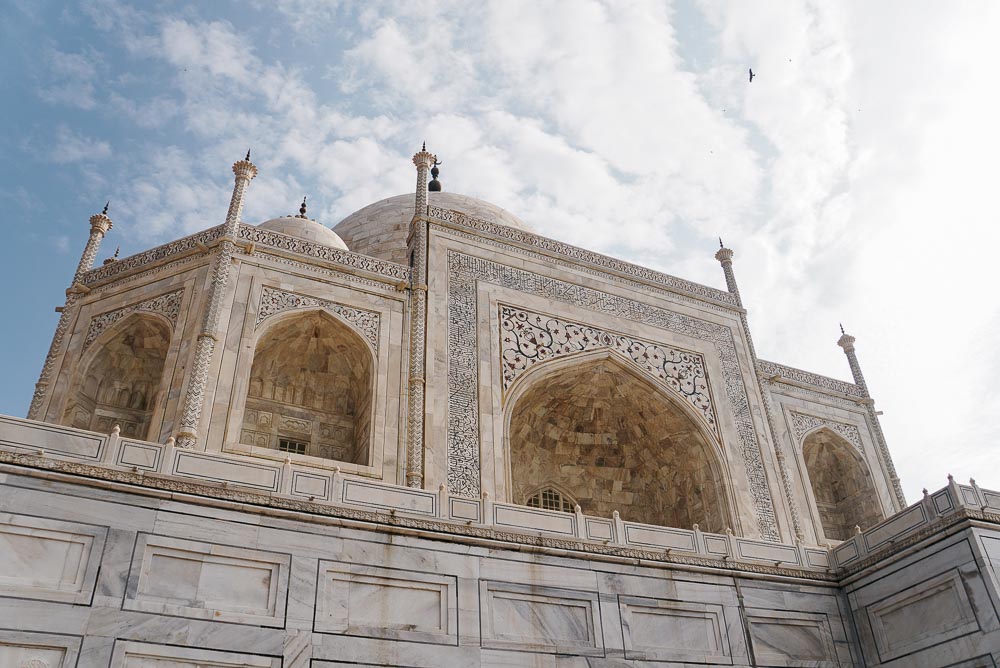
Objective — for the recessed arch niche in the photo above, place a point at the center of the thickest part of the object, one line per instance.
(841, 484)
(612, 439)
(310, 389)
(119, 381)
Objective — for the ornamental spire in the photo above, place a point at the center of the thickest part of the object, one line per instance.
(725, 257)
(302, 209)
(846, 341)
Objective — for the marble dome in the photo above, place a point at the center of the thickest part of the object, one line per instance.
(304, 228)
(380, 229)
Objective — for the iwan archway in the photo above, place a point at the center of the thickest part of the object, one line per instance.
(597, 431)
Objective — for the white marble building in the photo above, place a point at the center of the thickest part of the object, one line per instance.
(431, 437)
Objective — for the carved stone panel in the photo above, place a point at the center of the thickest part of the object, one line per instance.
(274, 301)
(168, 305)
(803, 424)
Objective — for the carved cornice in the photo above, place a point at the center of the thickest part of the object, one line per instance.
(168, 305)
(803, 424)
(769, 370)
(194, 242)
(574, 254)
(372, 265)
(274, 301)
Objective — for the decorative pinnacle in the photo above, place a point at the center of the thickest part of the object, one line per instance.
(302, 209)
(846, 341)
(720, 243)
(248, 156)
(423, 146)
(435, 186)
(842, 328)
(105, 212)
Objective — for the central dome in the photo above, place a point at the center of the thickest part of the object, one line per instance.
(380, 229)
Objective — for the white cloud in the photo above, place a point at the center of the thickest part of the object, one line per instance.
(69, 79)
(73, 147)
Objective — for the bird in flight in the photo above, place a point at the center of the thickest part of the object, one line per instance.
(751, 75)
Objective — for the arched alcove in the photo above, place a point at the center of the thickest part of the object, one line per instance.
(310, 390)
(841, 484)
(610, 439)
(121, 378)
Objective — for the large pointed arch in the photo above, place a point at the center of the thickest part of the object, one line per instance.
(842, 487)
(119, 380)
(310, 388)
(613, 439)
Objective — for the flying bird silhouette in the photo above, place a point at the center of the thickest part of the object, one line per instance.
(751, 75)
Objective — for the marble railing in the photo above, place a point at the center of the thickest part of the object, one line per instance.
(325, 487)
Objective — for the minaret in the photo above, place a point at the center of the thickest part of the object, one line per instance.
(194, 399)
(99, 226)
(846, 341)
(423, 160)
(725, 257)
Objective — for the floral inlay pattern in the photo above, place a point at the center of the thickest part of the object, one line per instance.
(803, 424)
(167, 305)
(274, 301)
(527, 338)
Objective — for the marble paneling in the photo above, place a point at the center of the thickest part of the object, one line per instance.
(540, 619)
(354, 599)
(144, 456)
(902, 523)
(470, 510)
(38, 650)
(921, 616)
(214, 467)
(66, 441)
(659, 630)
(49, 559)
(129, 654)
(792, 639)
(643, 535)
(208, 581)
(390, 497)
(522, 517)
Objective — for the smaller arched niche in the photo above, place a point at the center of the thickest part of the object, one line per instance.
(841, 484)
(120, 381)
(310, 390)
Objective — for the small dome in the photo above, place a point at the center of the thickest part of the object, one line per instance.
(380, 229)
(304, 228)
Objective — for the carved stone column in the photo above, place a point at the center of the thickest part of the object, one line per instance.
(725, 257)
(99, 226)
(846, 341)
(418, 325)
(194, 398)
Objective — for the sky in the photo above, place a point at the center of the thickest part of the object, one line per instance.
(855, 177)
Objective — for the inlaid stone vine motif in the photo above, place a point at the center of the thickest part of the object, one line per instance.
(772, 369)
(803, 424)
(528, 338)
(465, 271)
(274, 301)
(167, 305)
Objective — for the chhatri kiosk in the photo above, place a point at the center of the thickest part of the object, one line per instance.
(430, 437)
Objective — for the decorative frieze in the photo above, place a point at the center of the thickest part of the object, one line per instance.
(802, 424)
(257, 236)
(194, 242)
(528, 338)
(465, 271)
(772, 369)
(168, 305)
(273, 301)
(581, 255)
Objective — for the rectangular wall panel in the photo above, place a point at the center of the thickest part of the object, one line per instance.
(922, 616)
(208, 581)
(44, 650)
(129, 654)
(353, 599)
(66, 441)
(660, 630)
(540, 619)
(791, 639)
(48, 559)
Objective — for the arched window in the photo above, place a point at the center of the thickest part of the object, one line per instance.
(841, 484)
(121, 380)
(310, 390)
(614, 441)
(550, 498)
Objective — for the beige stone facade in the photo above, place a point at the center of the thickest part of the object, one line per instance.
(432, 370)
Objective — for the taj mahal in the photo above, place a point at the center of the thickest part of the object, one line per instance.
(428, 436)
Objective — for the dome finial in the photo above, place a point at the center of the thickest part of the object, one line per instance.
(248, 155)
(118, 249)
(105, 212)
(435, 186)
(842, 328)
(423, 147)
(720, 243)
(302, 209)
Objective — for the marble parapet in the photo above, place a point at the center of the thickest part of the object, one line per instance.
(787, 374)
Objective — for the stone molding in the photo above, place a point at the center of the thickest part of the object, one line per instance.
(168, 305)
(465, 271)
(195, 241)
(771, 369)
(575, 254)
(267, 238)
(528, 338)
(274, 301)
(802, 424)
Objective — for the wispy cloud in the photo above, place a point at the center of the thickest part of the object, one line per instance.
(70, 147)
(69, 79)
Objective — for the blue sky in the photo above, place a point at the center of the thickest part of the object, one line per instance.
(854, 177)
